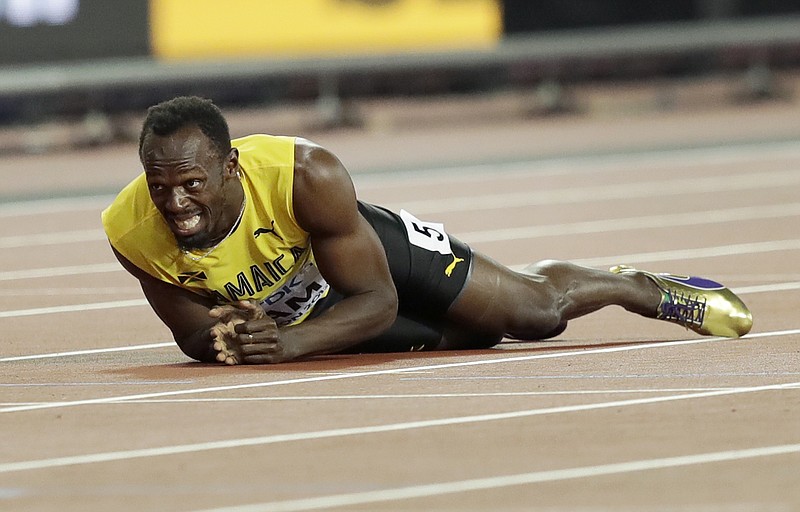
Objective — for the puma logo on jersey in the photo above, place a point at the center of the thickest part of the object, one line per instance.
(449, 270)
(264, 231)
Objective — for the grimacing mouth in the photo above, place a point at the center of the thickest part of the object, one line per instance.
(186, 222)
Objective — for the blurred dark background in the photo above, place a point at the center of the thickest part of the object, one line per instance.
(92, 64)
(537, 15)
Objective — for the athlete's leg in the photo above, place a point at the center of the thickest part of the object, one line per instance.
(538, 302)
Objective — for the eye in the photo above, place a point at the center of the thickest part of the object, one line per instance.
(193, 184)
(156, 187)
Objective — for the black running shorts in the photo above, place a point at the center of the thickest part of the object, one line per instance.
(429, 269)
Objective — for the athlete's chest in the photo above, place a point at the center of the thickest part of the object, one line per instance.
(254, 261)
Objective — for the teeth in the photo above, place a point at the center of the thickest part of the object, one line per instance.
(189, 223)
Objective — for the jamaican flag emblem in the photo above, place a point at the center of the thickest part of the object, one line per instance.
(191, 277)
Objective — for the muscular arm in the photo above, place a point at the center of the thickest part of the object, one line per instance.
(184, 313)
(348, 253)
(349, 256)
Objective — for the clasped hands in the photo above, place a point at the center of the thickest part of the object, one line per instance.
(244, 334)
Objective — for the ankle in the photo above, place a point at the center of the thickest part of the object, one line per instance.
(647, 296)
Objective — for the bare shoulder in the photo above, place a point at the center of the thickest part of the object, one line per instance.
(315, 163)
(323, 191)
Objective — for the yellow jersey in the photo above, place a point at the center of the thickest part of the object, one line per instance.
(267, 257)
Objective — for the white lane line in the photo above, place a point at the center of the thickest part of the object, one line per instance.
(74, 307)
(82, 384)
(51, 206)
(479, 484)
(394, 371)
(679, 254)
(62, 291)
(59, 238)
(631, 161)
(695, 218)
(557, 196)
(375, 429)
(72, 270)
(89, 351)
(637, 376)
(700, 218)
(702, 185)
(777, 287)
(582, 164)
(78, 308)
(686, 254)
(302, 398)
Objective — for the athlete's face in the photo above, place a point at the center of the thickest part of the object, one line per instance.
(196, 190)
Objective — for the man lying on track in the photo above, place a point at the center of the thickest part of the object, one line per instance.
(257, 250)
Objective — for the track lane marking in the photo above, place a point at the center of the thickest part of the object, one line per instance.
(55, 291)
(77, 308)
(301, 398)
(682, 219)
(684, 254)
(61, 237)
(698, 218)
(393, 371)
(88, 351)
(593, 163)
(375, 429)
(512, 394)
(70, 270)
(599, 193)
(54, 206)
(74, 307)
(479, 484)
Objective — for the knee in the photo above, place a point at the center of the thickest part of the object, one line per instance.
(540, 322)
(553, 269)
(540, 318)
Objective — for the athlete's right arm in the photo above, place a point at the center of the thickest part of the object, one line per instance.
(184, 313)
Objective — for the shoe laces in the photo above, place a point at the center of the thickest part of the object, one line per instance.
(684, 309)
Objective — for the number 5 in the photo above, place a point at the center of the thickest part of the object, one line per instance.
(425, 230)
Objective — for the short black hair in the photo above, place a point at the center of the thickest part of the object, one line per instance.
(170, 116)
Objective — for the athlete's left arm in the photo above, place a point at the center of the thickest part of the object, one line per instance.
(350, 257)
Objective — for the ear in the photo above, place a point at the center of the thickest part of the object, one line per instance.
(232, 164)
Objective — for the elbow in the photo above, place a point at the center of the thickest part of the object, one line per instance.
(199, 351)
(387, 307)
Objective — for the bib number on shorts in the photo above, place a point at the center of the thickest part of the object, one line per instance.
(427, 235)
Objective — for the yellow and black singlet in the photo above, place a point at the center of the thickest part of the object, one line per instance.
(267, 257)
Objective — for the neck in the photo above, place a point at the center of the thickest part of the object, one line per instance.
(233, 213)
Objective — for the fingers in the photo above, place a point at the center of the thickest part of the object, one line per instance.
(225, 342)
(243, 309)
(261, 325)
(252, 308)
(223, 312)
(244, 334)
(226, 355)
(254, 346)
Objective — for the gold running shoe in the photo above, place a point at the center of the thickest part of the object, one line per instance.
(699, 304)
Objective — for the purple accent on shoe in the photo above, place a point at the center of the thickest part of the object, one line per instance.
(688, 311)
(695, 282)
